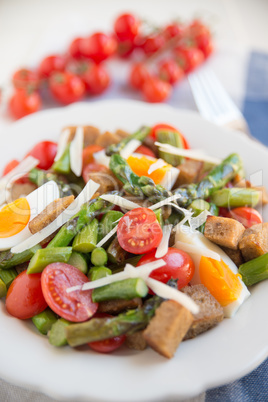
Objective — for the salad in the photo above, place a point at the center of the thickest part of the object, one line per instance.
(111, 238)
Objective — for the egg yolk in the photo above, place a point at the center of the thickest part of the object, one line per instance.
(140, 166)
(14, 217)
(222, 283)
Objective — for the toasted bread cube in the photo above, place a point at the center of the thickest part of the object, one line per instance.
(235, 255)
(107, 138)
(121, 134)
(49, 214)
(189, 172)
(118, 305)
(226, 232)
(136, 341)
(91, 134)
(21, 190)
(168, 327)
(254, 242)
(210, 313)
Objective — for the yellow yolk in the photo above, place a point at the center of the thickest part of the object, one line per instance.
(14, 217)
(222, 283)
(141, 165)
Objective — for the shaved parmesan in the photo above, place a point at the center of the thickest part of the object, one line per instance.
(197, 221)
(157, 165)
(63, 142)
(120, 201)
(76, 151)
(107, 237)
(167, 292)
(101, 158)
(164, 202)
(170, 178)
(188, 153)
(86, 194)
(162, 249)
(194, 249)
(130, 147)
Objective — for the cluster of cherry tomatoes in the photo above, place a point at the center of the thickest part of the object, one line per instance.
(160, 58)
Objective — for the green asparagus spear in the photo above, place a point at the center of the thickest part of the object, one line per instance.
(116, 254)
(44, 321)
(8, 276)
(198, 206)
(255, 270)
(63, 165)
(78, 260)
(172, 138)
(40, 177)
(98, 329)
(108, 222)
(159, 217)
(3, 289)
(99, 257)
(126, 290)
(98, 273)
(86, 240)
(236, 197)
(46, 256)
(9, 260)
(57, 335)
(140, 135)
(118, 267)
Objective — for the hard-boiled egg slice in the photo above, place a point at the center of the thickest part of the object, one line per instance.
(220, 277)
(15, 216)
(161, 173)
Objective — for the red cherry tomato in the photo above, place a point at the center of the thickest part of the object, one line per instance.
(170, 71)
(138, 75)
(24, 297)
(223, 212)
(45, 152)
(153, 43)
(107, 345)
(156, 90)
(179, 265)
(126, 27)
(245, 215)
(93, 168)
(10, 166)
(138, 231)
(76, 306)
(74, 48)
(201, 36)
(124, 49)
(25, 78)
(172, 31)
(98, 47)
(189, 58)
(142, 149)
(23, 103)
(163, 126)
(66, 87)
(51, 64)
(96, 79)
(88, 153)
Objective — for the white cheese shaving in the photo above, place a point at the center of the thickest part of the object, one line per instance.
(19, 171)
(197, 221)
(120, 201)
(101, 158)
(167, 292)
(86, 194)
(157, 165)
(76, 151)
(201, 251)
(170, 178)
(130, 147)
(188, 153)
(164, 202)
(162, 249)
(62, 144)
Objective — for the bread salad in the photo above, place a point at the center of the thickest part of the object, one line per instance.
(115, 238)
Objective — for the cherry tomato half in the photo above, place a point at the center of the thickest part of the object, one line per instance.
(126, 27)
(66, 87)
(142, 149)
(98, 47)
(75, 306)
(88, 153)
(179, 265)
(45, 152)
(156, 90)
(24, 297)
(138, 75)
(245, 215)
(25, 78)
(138, 231)
(23, 103)
(51, 64)
(107, 345)
(163, 126)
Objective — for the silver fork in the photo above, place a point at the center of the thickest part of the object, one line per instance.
(213, 102)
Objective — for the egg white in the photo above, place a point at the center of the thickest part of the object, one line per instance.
(38, 200)
(187, 235)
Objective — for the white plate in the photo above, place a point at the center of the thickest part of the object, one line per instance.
(227, 352)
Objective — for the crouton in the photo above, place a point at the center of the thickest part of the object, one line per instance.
(210, 313)
(254, 242)
(226, 232)
(149, 142)
(118, 305)
(235, 255)
(49, 214)
(136, 341)
(168, 327)
(189, 172)
(121, 134)
(18, 190)
(105, 178)
(107, 138)
(90, 134)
